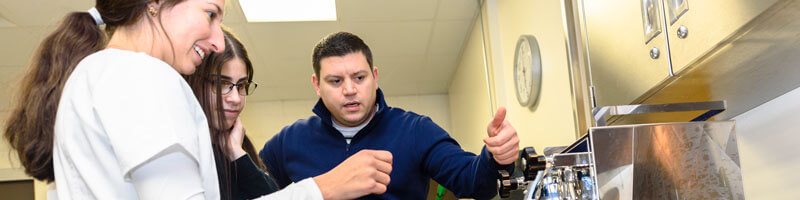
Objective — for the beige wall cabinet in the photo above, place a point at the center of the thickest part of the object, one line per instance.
(705, 24)
(620, 46)
(635, 45)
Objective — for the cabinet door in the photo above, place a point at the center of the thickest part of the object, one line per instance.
(620, 36)
(706, 23)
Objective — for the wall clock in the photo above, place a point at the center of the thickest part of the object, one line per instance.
(527, 70)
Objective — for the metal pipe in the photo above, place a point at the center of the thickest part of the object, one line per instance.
(485, 62)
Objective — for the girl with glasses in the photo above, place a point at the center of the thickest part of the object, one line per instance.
(221, 85)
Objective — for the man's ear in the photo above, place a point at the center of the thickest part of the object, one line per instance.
(375, 74)
(315, 82)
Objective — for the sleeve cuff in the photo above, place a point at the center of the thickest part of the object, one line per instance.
(246, 167)
(488, 158)
(306, 189)
(311, 187)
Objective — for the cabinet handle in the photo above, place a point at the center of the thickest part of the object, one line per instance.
(682, 31)
(676, 9)
(654, 53)
(651, 19)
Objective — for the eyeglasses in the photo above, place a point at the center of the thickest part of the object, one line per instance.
(244, 88)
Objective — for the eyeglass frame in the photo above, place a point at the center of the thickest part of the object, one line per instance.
(239, 86)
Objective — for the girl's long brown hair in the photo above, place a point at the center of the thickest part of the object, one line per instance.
(30, 126)
(29, 129)
(200, 84)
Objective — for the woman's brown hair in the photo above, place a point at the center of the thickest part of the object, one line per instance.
(30, 127)
(200, 83)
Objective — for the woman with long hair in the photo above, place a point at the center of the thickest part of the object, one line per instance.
(221, 85)
(112, 118)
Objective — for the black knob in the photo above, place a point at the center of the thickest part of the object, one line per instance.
(506, 184)
(532, 163)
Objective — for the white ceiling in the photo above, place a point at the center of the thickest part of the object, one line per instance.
(416, 43)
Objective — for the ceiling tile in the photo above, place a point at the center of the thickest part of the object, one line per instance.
(288, 39)
(434, 87)
(439, 69)
(415, 43)
(457, 10)
(283, 72)
(449, 37)
(409, 88)
(396, 71)
(385, 10)
(393, 38)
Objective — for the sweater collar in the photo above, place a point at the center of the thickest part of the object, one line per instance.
(323, 113)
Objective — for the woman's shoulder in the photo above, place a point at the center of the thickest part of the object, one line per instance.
(124, 61)
(114, 71)
(111, 66)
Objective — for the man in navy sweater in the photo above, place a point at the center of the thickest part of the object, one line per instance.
(352, 115)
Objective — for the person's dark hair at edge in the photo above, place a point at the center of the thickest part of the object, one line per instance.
(30, 126)
(339, 44)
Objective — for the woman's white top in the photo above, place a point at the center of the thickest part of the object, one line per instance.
(129, 127)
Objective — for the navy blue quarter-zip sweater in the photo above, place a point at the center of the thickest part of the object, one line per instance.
(420, 149)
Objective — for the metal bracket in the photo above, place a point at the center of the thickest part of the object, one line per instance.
(713, 107)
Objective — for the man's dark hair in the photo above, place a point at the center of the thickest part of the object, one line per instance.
(339, 44)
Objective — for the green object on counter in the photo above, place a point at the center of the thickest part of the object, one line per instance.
(440, 192)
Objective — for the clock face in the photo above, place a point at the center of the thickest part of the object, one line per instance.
(527, 70)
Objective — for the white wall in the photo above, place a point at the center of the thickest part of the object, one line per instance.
(551, 122)
(768, 148)
(470, 110)
(9, 77)
(6, 159)
(263, 119)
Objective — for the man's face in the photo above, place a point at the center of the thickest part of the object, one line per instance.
(348, 87)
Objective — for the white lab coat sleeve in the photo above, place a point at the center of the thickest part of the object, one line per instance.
(171, 175)
(306, 189)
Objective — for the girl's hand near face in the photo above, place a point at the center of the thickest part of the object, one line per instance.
(235, 140)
